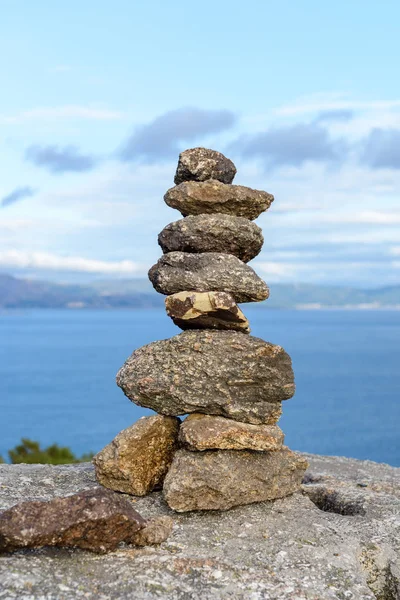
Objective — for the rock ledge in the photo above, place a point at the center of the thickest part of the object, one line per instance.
(339, 539)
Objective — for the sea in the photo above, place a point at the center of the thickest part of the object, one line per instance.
(58, 367)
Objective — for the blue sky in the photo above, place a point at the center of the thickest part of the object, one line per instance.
(98, 99)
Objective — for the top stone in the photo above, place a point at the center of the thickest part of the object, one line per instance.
(200, 164)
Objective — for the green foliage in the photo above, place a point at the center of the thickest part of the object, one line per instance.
(30, 452)
(1, 460)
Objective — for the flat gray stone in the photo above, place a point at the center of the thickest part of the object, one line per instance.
(286, 549)
(214, 372)
(207, 272)
(199, 197)
(213, 233)
(199, 164)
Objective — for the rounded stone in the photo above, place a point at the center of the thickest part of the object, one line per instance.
(213, 233)
(214, 372)
(200, 164)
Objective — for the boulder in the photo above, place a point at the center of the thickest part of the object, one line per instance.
(207, 272)
(207, 432)
(206, 310)
(287, 549)
(96, 520)
(213, 233)
(198, 197)
(199, 164)
(138, 458)
(220, 479)
(214, 372)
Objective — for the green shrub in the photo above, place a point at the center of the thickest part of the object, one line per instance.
(30, 452)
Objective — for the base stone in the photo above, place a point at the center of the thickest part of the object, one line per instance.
(220, 479)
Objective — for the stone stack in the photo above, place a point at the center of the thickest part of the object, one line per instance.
(229, 450)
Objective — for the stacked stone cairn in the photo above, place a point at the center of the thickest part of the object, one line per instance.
(229, 450)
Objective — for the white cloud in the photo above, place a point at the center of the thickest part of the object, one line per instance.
(52, 262)
(319, 103)
(394, 251)
(69, 111)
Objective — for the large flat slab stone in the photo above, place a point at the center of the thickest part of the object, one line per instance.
(220, 479)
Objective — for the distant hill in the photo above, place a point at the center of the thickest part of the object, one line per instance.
(25, 293)
(139, 293)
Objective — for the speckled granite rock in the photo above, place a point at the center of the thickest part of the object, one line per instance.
(289, 549)
(199, 164)
(96, 520)
(138, 458)
(207, 272)
(206, 310)
(213, 233)
(207, 432)
(220, 479)
(214, 372)
(196, 198)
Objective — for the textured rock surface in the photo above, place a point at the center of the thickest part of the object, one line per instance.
(206, 310)
(96, 520)
(220, 479)
(136, 461)
(288, 549)
(206, 432)
(213, 233)
(196, 198)
(215, 372)
(155, 531)
(207, 272)
(199, 164)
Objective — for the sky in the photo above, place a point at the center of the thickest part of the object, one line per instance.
(99, 98)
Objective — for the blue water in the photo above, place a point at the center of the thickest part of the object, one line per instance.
(57, 377)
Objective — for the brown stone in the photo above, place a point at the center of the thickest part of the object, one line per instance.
(199, 164)
(156, 531)
(207, 272)
(214, 372)
(220, 479)
(199, 197)
(206, 310)
(207, 432)
(96, 520)
(213, 233)
(138, 458)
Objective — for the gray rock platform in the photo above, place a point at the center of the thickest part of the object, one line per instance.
(338, 539)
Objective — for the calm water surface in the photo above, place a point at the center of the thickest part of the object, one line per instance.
(57, 377)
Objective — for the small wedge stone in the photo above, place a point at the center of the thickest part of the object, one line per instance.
(207, 272)
(155, 531)
(199, 164)
(138, 458)
(207, 432)
(206, 310)
(199, 197)
(221, 479)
